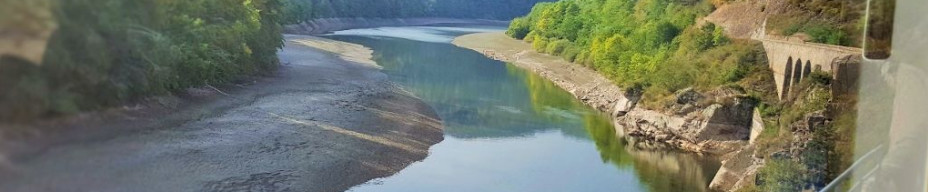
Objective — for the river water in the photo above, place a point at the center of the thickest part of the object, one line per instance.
(507, 129)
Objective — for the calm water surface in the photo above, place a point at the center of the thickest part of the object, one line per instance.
(507, 129)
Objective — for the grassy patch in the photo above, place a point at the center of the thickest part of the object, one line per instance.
(829, 22)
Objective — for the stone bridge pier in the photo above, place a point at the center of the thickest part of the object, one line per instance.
(793, 61)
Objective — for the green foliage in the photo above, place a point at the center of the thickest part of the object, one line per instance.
(654, 44)
(539, 43)
(296, 11)
(480, 9)
(107, 52)
(819, 78)
(519, 28)
(781, 175)
(836, 22)
(820, 32)
(828, 35)
(302, 10)
(557, 47)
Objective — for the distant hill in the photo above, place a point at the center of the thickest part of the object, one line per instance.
(301, 10)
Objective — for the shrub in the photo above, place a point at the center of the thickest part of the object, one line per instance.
(557, 47)
(540, 44)
(819, 78)
(519, 28)
(828, 35)
(570, 53)
(781, 175)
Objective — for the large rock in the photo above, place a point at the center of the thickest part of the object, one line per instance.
(623, 106)
(688, 96)
(757, 126)
(738, 170)
(705, 130)
(726, 122)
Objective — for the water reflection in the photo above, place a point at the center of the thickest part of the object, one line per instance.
(510, 130)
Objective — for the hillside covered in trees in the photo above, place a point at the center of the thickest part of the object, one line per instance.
(661, 47)
(653, 45)
(107, 52)
(301, 10)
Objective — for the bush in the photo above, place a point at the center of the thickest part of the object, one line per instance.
(540, 44)
(819, 78)
(781, 175)
(557, 47)
(570, 53)
(519, 28)
(827, 35)
(820, 29)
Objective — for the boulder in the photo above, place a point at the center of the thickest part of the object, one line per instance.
(734, 170)
(757, 126)
(725, 122)
(625, 103)
(622, 107)
(721, 147)
(688, 96)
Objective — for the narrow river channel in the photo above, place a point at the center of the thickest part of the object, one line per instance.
(507, 129)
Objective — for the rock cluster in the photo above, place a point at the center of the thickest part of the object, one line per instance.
(717, 128)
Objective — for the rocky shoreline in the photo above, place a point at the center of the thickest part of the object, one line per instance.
(720, 123)
(715, 123)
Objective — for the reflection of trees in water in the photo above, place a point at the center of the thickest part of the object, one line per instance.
(659, 169)
(476, 97)
(481, 98)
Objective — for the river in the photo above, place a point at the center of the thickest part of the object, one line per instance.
(507, 129)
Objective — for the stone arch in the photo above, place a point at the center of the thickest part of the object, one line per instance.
(787, 78)
(808, 69)
(797, 71)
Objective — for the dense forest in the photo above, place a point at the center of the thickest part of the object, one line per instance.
(653, 45)
(301, 10)
(107, 52)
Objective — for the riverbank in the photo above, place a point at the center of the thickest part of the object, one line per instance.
(326, 25)
(326, 121)
(715, 129)
(698, 129)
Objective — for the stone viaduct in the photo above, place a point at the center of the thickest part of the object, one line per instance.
(793, 60)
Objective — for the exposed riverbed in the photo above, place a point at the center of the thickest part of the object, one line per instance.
(326, 121)
(508, 129)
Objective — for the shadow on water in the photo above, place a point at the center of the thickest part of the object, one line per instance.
(483, 101)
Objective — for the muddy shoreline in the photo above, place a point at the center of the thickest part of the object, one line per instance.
(327, 121)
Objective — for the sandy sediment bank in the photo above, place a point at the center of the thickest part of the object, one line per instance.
(326, 25)
(328, 120)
